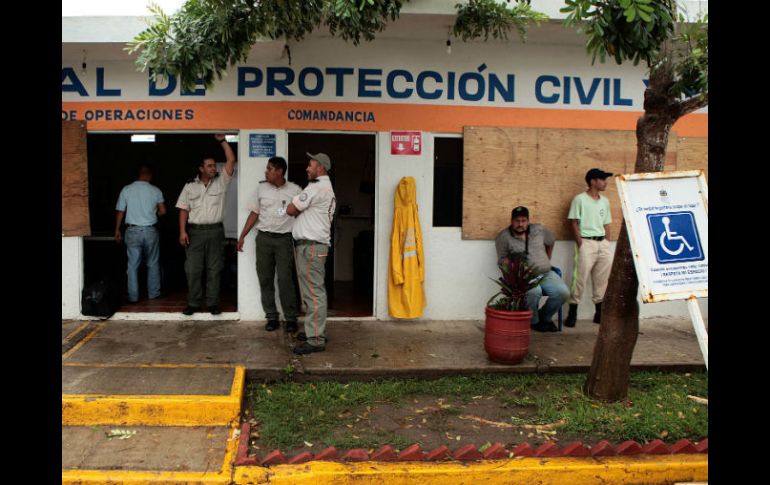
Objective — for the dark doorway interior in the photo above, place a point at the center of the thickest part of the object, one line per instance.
(112, 163)
(350, 267)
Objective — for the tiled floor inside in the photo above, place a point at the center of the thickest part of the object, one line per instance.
(173, 302)
(345, 303)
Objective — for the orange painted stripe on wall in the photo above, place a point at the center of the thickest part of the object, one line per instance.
(231, 115)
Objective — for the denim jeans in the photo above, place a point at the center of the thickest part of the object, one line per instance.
(557, 292)
(143, 243)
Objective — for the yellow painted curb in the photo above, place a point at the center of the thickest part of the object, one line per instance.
(117, 477)
(648, 469)
(88, 477)
(156, 410)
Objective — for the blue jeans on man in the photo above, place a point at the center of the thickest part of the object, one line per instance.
(143, 243)
(552, 286)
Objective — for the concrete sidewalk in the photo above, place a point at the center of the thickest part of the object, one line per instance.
(160, 402)
(365, 349)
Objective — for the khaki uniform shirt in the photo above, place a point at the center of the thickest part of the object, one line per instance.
(317, 203)
(206, 204)
(270, 202)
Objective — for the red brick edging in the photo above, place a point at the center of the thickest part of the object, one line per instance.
(467, 452)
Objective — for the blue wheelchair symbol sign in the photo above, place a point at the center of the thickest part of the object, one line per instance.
(675, 237)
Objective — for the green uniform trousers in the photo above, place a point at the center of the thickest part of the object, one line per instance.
(310, 257)
(205, 252)
(275, 253)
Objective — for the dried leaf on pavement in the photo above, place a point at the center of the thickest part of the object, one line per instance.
(121, 434)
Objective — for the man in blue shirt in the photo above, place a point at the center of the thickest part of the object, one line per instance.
(140, 203)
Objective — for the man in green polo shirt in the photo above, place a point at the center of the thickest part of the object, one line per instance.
(590, 218)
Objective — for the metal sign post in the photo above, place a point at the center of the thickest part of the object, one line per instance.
(700, 328)
(666, 214)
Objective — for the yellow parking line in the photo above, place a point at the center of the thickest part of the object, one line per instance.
(82, 342)
(88, 477)
(167, 366)
(77, 330)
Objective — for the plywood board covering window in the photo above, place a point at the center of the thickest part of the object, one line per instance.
(74, 179)
(543, 169)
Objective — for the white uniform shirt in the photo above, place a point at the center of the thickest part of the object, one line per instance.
(317, 203)
(270, 202)
(206, 204)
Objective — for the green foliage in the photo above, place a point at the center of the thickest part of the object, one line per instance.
(623, 29)
(648, 30)
(480, 18)
(353, 21)
(692, 62)
(198, 42)
(206, 36)
(517, 279)
(288, 372)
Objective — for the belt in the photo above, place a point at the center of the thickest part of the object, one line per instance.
(594, 238)
(275, 234)
(137, 225)
(204, 226)
(301, 242)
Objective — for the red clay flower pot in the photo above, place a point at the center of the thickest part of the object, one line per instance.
(506, 335)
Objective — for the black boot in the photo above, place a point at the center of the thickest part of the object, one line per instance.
(598, 314)
(571, 316)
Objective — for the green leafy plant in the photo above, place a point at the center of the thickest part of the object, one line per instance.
(200, 41)
(482, 18)
(624, 29)
(288, 372)
(517, 279)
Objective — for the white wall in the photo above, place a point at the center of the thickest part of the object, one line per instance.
(71, 276)
(457, 271)
(252, 170)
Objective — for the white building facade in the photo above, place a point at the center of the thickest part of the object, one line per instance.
(405, 81)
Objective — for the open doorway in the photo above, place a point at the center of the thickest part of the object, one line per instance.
(113, 160)
(350, 266)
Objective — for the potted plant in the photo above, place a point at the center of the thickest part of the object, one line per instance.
(508, 317)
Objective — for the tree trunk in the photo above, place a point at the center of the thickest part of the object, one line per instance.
(609, 376)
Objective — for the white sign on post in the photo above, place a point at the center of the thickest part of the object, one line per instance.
(666, 215)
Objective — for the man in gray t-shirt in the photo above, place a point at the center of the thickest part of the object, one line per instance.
(537, 242)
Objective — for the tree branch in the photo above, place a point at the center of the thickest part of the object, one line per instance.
(694, 104)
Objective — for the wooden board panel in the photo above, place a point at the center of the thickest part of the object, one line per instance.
(542, 169)
(694, 155)
(74, 180)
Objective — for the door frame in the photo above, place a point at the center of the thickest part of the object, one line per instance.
(376, 205)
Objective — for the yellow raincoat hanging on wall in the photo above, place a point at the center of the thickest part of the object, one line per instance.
(406, 298)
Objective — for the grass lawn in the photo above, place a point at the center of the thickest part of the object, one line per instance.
(483, 409)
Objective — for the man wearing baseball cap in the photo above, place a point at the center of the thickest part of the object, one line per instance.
(537, 242)
(314, 209)
(590, 218)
